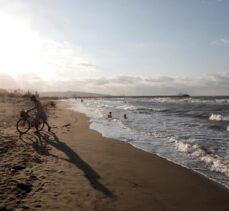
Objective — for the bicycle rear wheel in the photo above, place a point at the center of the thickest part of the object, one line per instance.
(23, 126)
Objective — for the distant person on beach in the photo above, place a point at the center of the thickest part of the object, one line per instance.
(125, 116)
(40, 115)
(109, 115)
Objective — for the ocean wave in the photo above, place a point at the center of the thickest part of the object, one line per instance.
(157, 134)
(213, 162)
(170, 100)
(127, 107)
(218, 117)
(190, 100)
(150, 110)
(223, 101)
(218, 127)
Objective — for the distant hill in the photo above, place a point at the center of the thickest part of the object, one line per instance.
(70, 94)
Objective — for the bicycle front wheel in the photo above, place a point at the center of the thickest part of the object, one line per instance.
(23, 126)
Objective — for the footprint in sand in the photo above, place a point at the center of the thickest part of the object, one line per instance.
(67, 125)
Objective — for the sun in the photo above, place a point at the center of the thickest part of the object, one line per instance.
(25, 51)
(20, 47)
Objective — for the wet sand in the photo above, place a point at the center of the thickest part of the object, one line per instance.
(75, 168)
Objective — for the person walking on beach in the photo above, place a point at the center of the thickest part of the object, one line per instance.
(125, 116)
(40, 115)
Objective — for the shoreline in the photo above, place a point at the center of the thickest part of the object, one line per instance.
(159, 156)
(76, 168)
(191, 172)
(223, 187)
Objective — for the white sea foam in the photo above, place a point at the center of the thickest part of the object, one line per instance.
(214, 162)
(184, 146)
(218, 117)
(222, 101)
(127, 107)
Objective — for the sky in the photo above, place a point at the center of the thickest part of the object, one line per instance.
(117, 47)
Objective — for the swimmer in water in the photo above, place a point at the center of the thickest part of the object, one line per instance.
(109, 115)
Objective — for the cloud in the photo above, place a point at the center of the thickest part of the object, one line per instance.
(163, 79)
(211, 1)
(220, 41)
(52, 60)
(224, 41)
(66, 60)
(25, 49)
(87, 65)
(125, 80)
(210, 84)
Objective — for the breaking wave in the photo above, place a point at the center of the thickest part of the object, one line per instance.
(218, 117)
(213, 162)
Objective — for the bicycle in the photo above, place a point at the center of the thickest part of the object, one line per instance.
(26, 122)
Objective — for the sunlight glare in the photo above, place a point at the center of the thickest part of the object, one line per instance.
(20, 47)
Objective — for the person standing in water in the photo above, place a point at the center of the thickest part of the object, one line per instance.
(109, 115)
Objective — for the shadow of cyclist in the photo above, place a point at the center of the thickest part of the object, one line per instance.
(92, 176)
(36, 142)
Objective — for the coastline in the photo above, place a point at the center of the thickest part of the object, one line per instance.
(221, 186)
(187, 150)
(82, 170)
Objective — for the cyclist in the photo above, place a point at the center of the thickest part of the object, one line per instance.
(40, 115)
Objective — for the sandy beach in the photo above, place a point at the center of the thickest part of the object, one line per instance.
(75, 168)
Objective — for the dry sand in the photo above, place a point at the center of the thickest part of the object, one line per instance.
(75, 168)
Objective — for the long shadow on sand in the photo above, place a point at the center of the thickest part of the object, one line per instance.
(36, 142)
(42, 139)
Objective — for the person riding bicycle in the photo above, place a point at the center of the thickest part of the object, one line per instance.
(40, 115)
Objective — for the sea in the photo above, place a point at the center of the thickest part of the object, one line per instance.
(191, 132)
